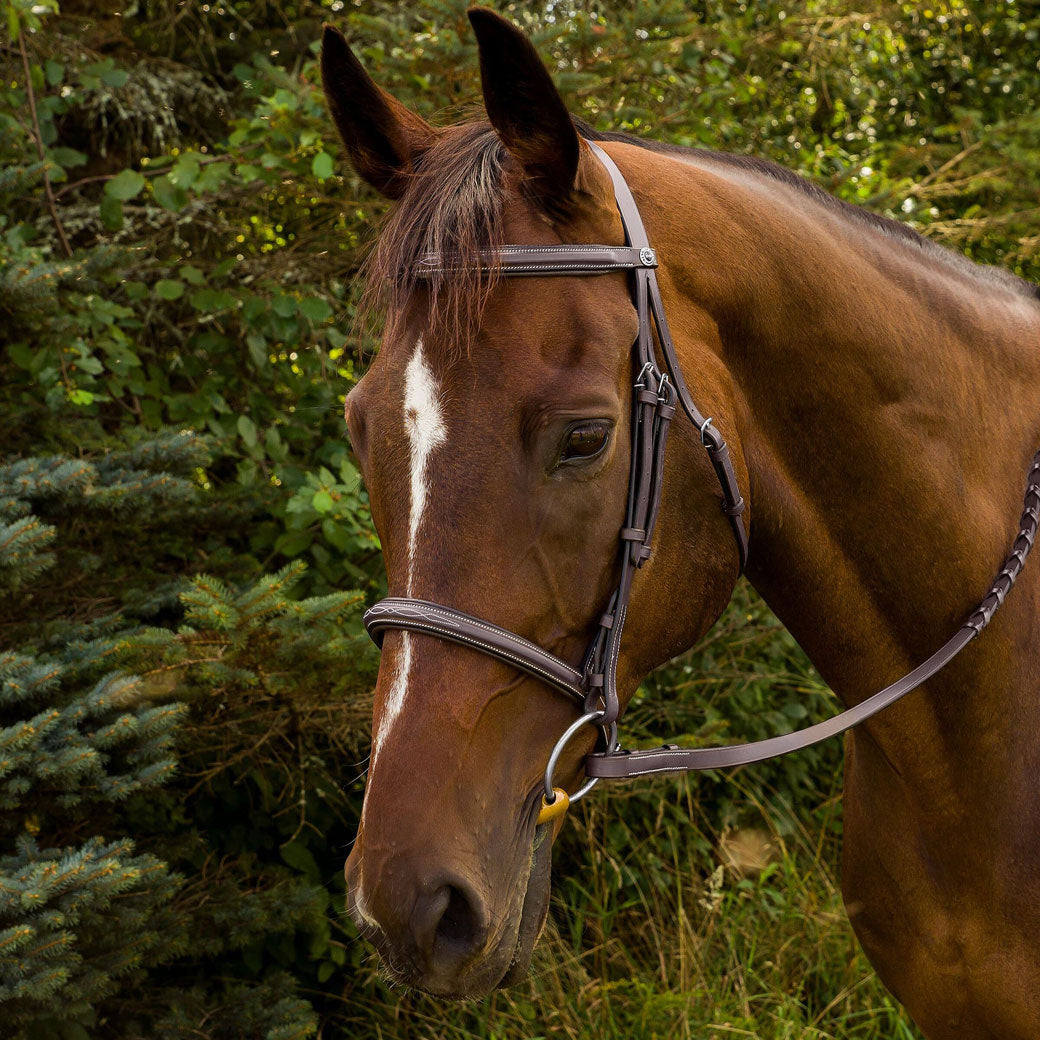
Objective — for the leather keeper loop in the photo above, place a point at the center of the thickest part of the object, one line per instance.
(719, 453)
(632, 534)
(647, 396)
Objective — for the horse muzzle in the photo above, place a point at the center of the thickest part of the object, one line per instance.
(442, 930)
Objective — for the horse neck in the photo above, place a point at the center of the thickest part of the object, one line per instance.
(886, 406)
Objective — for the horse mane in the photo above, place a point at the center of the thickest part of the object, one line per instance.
(453, 206)
(857, 214)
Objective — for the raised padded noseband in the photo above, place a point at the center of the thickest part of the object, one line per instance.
(418, 615)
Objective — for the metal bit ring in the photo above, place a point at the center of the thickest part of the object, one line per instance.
(587, 719)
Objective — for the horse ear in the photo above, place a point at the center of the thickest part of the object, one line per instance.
(525, 107)
(383, 137)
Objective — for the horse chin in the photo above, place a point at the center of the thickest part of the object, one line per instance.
(534, 909)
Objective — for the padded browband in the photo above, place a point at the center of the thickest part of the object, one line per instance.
(517, 261)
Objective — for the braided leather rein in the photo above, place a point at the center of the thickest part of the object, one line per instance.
(655, 394)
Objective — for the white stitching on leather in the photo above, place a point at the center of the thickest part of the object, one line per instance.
(447, 614)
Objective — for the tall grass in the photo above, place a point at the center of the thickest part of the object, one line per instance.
(660, 926)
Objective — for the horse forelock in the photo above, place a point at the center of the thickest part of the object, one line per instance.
(453, 206)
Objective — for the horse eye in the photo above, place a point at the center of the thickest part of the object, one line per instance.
(584, 441)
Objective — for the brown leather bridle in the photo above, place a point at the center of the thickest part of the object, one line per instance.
(655, 393)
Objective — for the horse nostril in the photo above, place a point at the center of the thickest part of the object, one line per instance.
(458, 925)
(450, 924)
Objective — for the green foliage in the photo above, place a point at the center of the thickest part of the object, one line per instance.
(73, 924)
(227, 861)
(262, 807)
(73, 727)
(79, 916)
(179, 238)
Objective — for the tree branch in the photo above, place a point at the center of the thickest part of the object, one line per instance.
(38, 136)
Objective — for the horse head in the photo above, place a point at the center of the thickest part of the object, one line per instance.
(492, 432)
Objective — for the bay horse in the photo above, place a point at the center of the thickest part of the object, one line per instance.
(881, 399)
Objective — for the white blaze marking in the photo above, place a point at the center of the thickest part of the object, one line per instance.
(424, 423)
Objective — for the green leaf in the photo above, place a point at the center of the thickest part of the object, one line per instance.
(124, 185)
(22, 355)
(247, 172)
(168, 194)
(315, 308)
(212, 300)
(169, 289)
(90, 364)
(325, 970)
(81, 397)
(115, 77)
(283, 305)
(54, 71)
(192, 274)
(299, 857)
(348, 473)
(185, 171)
(212, 176)
(257, 349)
(322, 501)
(321, 166)
(67, 156)
(292, 543)
(336, 534)
(247, 430)
(111, 213)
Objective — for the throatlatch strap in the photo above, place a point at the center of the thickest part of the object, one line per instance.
(711, 438)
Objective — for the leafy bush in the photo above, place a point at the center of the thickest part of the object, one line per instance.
(219, 887)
